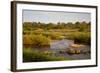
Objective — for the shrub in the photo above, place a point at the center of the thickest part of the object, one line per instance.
(40, 40)
(36, 40)
(27, 39)
(84, 38)
(80, 37)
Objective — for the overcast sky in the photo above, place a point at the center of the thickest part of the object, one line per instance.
(54, 17)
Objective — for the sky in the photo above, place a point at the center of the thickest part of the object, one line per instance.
(54, 17)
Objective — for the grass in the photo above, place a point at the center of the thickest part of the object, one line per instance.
(30, 55)
(44, 37)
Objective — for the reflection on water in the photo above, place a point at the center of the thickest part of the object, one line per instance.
(62, 48)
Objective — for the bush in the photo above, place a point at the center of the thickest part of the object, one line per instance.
(80, 37)
(36, 40)
(83, 38)
(27, 39)
(40, 40)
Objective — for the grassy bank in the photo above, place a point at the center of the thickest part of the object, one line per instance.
(31, 55)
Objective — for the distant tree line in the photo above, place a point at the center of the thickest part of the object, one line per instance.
(81, 26)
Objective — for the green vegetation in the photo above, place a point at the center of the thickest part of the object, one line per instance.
(40, 35)
(79, 32)
(30, 55)
(80, 37)
(36, 40)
